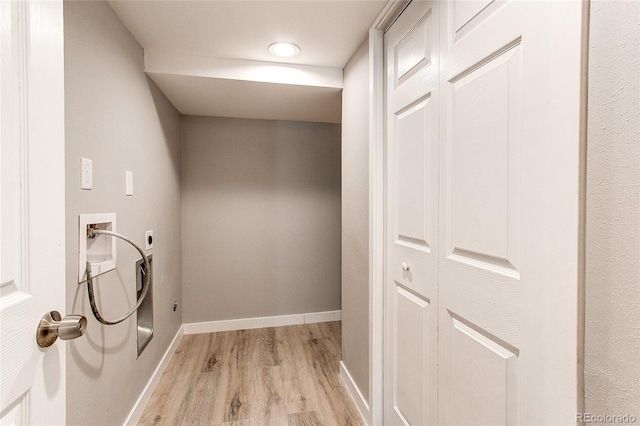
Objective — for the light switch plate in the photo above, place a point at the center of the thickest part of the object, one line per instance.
(128, 183)
(87, 174)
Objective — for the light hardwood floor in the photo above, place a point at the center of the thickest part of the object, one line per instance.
(270, 376)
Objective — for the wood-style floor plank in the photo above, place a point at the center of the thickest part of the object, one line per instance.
(279, 376)
(308, 418)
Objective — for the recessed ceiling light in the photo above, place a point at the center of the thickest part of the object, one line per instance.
(284, 50)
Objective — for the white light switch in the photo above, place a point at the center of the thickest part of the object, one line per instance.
(87, 174)
(129, 183)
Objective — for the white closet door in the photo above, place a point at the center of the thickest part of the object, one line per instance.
(482, 282)
(411, 283)
(510, 100)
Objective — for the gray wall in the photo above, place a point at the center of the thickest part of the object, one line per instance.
(118, 118)
(355, 218)
(612, 346)
(261, 218)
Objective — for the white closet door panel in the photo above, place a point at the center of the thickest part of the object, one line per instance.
(483, 213)
(413, 361)
(501, 345)
(412, 217)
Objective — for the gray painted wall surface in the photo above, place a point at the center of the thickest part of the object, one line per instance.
(355, 218)
(612, 346)
(261, 218)
(118, 118)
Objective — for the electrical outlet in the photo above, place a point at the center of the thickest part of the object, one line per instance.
(148, 240)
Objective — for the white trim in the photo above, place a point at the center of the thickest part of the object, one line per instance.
(322, 317)
(355, 394)
(385, 19)
(247, 323)
(138, 408)
(376, 221)
(389, 14)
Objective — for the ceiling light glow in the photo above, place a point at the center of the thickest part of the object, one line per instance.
(284, 50)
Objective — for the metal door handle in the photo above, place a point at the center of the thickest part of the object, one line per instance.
(52, 326)
(405, 266)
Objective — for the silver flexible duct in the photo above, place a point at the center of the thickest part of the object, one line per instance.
(145, 284)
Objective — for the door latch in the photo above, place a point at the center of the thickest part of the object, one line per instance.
(52, 326)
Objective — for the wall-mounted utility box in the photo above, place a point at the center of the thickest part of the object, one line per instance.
(100, 250)
(145, 311)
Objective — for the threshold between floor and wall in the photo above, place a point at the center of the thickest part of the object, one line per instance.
(341, 373)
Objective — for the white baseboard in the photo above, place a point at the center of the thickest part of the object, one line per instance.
(145, 396)
(361, 403)
(247, 323)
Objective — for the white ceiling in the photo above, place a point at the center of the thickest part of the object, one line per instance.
(328, 32)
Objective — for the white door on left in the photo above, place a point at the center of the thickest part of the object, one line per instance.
(32, 179)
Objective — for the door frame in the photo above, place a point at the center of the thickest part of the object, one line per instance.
(377, 255)
(377, 199)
